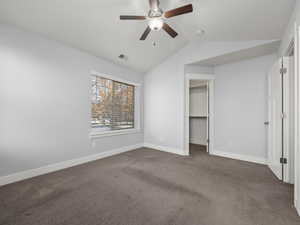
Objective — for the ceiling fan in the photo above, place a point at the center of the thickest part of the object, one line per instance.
(156, 17)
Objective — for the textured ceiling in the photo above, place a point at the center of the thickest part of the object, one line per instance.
(94, 25)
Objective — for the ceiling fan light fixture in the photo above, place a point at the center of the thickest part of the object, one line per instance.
(156, 18)
(155, 23)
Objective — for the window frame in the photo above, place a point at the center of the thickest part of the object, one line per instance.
(96, 133)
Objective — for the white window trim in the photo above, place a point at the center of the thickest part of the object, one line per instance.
(115, 78)
(94, 134)
(97, 134)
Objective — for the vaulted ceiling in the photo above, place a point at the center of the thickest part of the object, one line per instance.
(94, 26)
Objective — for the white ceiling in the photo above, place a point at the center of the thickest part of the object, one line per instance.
(94, 25)
(261, 50)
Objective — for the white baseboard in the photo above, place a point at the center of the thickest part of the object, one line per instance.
(165, 149)
(239, 157)
(63, 165)
(70, 163)
(217, 153)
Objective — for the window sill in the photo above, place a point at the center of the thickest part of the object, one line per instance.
(95, 134)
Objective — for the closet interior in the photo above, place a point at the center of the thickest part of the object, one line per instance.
(199, 105)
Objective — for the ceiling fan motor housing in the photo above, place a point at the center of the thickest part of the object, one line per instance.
(155, 13)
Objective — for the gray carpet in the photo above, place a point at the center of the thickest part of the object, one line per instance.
(148, 187)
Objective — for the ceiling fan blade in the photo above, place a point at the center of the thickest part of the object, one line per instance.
(154, 4)
(170, 30)
(145, 34)
(132, 17)
(179, 11)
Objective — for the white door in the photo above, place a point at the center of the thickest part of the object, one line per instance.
(275, 119)
(297, 120)
(207, 119)
(288, 119)
(279, 116)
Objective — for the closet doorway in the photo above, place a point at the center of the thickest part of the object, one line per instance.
(199, 113)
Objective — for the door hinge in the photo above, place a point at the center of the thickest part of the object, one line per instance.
(283, 115)
(283, 160)
(283, 71)
(207, 140)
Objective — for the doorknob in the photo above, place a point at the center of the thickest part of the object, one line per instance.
(267, 123)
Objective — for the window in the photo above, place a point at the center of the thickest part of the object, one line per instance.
(112, 104)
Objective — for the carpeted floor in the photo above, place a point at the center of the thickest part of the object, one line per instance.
(149, 187)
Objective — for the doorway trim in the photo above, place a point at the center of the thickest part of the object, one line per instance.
(297, 117)
(211, 80)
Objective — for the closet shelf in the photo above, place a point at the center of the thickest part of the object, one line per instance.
(203, 116)
(198, 86)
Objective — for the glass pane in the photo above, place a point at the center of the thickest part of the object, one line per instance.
(112, 104)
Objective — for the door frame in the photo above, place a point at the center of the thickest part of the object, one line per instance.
(211, 80)
(297, 116)
(276, 145)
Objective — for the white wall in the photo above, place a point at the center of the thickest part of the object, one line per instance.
(164, 91)
(45, 104)
(290, 30)
(240, 107)
(198, 69)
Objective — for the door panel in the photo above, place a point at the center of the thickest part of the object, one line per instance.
(288, 119)
(275, 119)
(207, 119)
